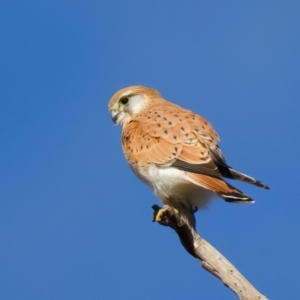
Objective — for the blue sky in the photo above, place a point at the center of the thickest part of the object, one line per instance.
(75, 223)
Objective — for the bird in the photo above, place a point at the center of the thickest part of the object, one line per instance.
(175, 152)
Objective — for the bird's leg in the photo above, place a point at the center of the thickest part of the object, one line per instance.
(158, 212)
(162, 215)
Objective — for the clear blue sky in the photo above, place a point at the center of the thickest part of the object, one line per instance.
(75, 223)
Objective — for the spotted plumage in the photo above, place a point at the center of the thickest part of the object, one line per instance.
(174, 150)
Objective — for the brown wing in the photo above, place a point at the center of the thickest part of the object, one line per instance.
(167, 134)
(141, 148)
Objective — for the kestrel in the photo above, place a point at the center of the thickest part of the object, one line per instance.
(174, 151)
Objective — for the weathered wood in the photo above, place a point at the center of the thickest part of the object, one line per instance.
(211, 259)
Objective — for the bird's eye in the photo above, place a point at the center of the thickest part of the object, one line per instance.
(124, 100)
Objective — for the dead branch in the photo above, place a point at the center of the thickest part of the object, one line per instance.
(211, 259)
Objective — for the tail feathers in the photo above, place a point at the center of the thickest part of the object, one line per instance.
(236, 197)
(243, 177)
(221, 188)
(228, 172)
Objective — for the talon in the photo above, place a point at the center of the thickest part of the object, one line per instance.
(158, 212)
(176, 210)
(158, 215)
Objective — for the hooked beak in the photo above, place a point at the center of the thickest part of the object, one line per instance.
(114, 116)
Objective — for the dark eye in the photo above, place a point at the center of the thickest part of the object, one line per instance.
(124, 100)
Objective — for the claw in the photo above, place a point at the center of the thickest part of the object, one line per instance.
(158, 213)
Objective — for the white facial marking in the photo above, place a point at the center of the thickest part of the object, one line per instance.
(137, 103)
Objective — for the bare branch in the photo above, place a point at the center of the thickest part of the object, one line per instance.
(211, 259)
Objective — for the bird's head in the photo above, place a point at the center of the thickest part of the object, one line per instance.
(128, 102)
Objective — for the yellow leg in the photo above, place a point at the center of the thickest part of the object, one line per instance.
(158, 215)
(159, 212)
